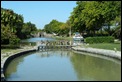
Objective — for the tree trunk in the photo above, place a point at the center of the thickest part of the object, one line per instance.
(109, 29)
(101, 31)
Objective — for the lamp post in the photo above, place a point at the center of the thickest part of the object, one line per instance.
(70, 35)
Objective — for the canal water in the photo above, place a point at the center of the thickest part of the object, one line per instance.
(37, 39)
(62, 65)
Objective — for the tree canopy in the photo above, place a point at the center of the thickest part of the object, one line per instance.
(92, 15)
(13, 27)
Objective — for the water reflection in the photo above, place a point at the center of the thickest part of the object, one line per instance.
(96, 69)
(62, 65)
(61, 53)
(15, 64)
(37, 39)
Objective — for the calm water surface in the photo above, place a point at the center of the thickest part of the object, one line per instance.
(36, 39)
(62, 65)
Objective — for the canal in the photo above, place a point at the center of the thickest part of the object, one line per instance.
(62, 65)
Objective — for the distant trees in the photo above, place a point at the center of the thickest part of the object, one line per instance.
(53, 26)
(27, 29)
(57, 27)
(65, 28)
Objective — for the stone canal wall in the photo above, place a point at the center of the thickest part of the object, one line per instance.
(6, 60)
(109, 53)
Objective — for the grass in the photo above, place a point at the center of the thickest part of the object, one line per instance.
(6, 50)
(109, 46)
(3, 51)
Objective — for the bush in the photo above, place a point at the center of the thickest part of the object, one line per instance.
(28, 43)
(14, 41)
(107, 39)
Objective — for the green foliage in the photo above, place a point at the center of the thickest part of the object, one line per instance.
(27, 43)
(13, 29)
(90, 16)
(7, 35)
(76, 20)
(14, 40)
(53, 26)
(27, 29)
(8, 17)
(12, 25)
(65, 29)
(5, 32)
(107, 39)
(117, 32)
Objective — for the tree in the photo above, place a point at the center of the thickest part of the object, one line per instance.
(27, 29)
(53, 26)
(8, 37)
(75, 19)
(65, 28)
(12, 24)
(90, 16)
(14, 20)
(110, 9)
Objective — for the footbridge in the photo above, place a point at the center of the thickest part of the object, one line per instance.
(58, 44)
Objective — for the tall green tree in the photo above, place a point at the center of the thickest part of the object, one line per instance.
(8, 37)
(14, 20)
(90, 16)
(110, 9)
(53, 26)
(75, 19)
(27, 29)
(13, 27)
(8, 17)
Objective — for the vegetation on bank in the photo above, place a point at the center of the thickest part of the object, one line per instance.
(13, 29)
(91, 18)
(17, 46)
(109, 46)
(105, 39)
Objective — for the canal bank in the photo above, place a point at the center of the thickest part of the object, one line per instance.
(8, 57)
(108, 53)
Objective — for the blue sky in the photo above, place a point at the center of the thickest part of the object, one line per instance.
(41, 12)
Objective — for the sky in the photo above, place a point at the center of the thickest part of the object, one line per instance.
(41, 13)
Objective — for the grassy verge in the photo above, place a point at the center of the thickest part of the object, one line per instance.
(4, 51)
(109, 46)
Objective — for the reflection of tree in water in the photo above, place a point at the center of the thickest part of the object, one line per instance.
(60, 53)
(13, 65)
(92, 68)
